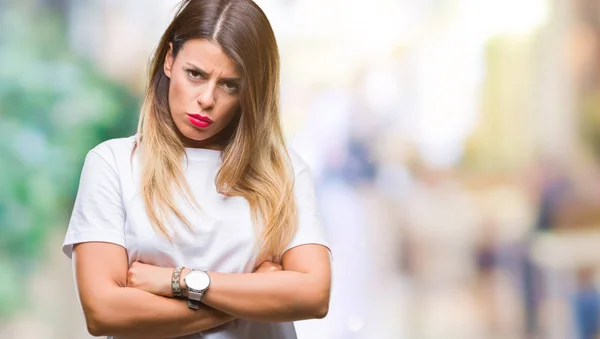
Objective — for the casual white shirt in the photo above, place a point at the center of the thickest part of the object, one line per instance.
(109, 208)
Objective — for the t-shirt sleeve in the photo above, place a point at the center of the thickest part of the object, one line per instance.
(98, 213)
(310, 226)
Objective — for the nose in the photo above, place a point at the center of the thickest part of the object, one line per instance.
(206, 99)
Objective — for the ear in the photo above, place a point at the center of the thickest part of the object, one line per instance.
(168, 65)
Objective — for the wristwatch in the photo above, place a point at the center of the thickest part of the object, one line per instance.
(197, 283)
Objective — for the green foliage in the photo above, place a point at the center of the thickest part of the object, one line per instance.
(54, 107)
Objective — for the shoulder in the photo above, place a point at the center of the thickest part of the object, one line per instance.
(114, 150)
(111, 156)
(298, 163)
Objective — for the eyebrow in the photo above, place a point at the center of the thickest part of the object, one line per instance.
(204, 73)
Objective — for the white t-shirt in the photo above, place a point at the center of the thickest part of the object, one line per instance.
(109, 208)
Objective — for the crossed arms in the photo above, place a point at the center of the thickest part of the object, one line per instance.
(135, 302)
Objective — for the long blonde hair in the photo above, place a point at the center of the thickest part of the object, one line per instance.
(255, 162)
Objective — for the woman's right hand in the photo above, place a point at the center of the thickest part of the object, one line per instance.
(268, 266)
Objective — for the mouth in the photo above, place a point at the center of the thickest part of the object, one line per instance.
(200, 117)
(199, 120)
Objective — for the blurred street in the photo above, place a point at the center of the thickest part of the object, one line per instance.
(455, 144)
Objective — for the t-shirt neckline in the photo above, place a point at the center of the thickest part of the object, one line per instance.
(202, 153)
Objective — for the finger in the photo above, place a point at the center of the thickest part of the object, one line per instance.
(275, 267)
(260, 267)
(265, 268)
(266, 264)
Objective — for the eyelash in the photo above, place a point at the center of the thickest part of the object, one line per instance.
(195, 75)
(232, 88)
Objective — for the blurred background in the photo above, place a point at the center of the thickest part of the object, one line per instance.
(456, 144)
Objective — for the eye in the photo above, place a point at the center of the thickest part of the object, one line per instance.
(230, 87)
(194, 74)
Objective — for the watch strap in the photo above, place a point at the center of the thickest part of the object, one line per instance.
(193, 304)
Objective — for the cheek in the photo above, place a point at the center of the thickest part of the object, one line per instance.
(179, 93)
(229, 108)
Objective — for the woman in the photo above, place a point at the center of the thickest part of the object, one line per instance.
(202, 225)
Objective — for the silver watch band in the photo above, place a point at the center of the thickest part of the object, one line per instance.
(196, 287)
(193, 304)
(195, 294)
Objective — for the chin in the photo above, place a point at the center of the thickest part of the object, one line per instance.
(196, 135)
(201, 137)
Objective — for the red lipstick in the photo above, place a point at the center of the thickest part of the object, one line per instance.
(199, 120)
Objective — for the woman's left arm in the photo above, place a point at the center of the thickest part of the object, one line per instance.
(301, 291)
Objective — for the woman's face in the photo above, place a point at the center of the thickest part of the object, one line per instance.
(203, 92)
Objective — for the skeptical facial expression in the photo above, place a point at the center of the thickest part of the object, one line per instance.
(203, 92)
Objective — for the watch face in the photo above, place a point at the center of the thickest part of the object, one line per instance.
(197, 280)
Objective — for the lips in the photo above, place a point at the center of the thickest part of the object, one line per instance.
(199, 121)
(200, 117)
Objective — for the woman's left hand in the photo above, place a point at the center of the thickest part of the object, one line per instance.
(150, 278)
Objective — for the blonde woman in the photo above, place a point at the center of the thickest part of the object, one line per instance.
(202, 225)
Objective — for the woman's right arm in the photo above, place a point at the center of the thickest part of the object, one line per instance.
(96, 235)
(111, 308)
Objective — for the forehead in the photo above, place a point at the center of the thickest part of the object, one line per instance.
(209, 56)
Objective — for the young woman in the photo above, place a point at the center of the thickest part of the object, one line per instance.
(202, 224)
